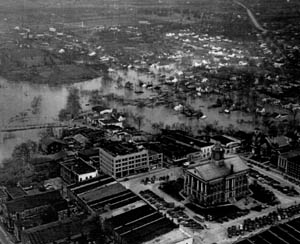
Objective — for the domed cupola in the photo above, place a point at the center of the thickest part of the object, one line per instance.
(217, 154)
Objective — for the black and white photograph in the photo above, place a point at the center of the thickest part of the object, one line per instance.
(149, 121)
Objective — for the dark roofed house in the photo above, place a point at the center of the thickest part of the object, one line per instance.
(279, 144)
(101, 109)
(81, 140)
(51, 145)
(16, 211)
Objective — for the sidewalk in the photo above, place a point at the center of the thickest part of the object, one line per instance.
(5, 237)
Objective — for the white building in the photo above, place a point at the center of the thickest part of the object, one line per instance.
(77, 170)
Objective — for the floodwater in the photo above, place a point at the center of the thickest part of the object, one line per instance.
(16, 105)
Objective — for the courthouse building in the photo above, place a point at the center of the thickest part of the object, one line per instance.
(216, 181)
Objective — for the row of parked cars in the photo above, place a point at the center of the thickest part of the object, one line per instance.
(156, 200)
(183, 219)
(250, 225)
(265, 179)
(175, 213)
(229, 216)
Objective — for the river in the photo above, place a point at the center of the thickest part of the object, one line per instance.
(16, 105)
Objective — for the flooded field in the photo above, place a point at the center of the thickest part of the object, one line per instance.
(18, 106)
(155, 59)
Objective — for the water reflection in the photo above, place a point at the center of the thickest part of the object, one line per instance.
(17, 98)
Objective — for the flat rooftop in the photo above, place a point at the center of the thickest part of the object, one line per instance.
(291, 155)
(141, 225)
(32, 201)
(114, 196)
(174, 236)
(99, 193)
(89, 152)
(172, 149)
(287, 233)
(179, 136)
(78, 166)
(54, 231)
(15, 192)
(119, 148)
(222, 139)
(91, 184)
(210, 170)
(152, 152)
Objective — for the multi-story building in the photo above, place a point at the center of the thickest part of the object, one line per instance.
(123, 159)
(288, 163)
(217, 181)
(76, 170)
(204, 148)
(174, 153)
(155, 159)
(230, 144)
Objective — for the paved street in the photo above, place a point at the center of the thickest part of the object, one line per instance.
(4, 239)
(216, 232)
(273, 174)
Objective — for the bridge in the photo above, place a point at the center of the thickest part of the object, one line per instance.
(13, 128)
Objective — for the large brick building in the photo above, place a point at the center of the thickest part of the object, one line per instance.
(123, 159)
(216, 181)
(289, 164)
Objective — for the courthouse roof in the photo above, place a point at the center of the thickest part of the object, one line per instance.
(211, 170)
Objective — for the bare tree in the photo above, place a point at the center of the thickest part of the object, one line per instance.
(139, 120)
